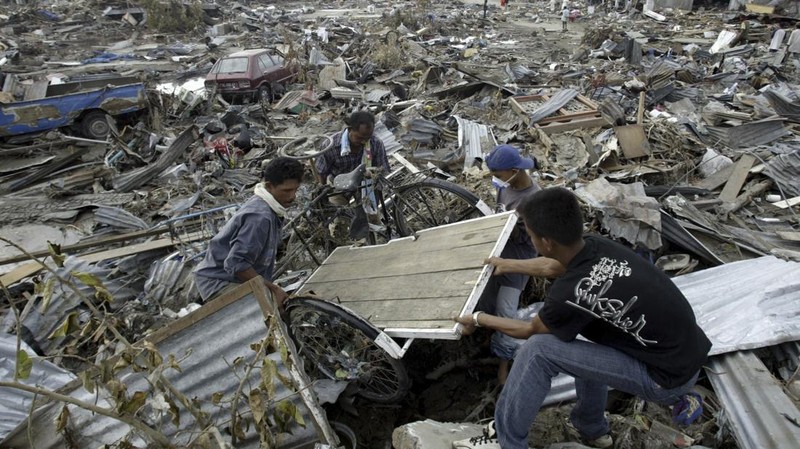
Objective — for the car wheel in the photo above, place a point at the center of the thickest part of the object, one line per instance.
(265, 94)
(95, 125)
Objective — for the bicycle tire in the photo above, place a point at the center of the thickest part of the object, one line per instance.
(329, 336)
(285, 150)
(429, 203)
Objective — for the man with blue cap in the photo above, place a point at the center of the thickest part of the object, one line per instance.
(501, 296)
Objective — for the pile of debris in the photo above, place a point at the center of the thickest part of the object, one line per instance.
(676, 127)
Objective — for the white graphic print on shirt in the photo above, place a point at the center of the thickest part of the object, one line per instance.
(590, 296)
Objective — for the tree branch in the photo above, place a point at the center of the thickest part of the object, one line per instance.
(148, 431)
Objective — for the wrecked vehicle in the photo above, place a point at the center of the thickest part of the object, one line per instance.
(82, 105)
(255, 74)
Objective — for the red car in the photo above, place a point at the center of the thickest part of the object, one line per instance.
(256, 74)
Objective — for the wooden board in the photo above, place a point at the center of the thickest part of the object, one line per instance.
(793, 236)
(784, 204)
(423, 285)
(632, 140)
(29, 269)
(424, 280)
(431, 242)
(737, 178)
(717, 179)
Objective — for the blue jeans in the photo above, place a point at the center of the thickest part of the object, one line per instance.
(595, 368)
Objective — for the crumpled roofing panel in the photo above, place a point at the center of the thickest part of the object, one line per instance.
(746, 305)
(784, 169)
(759, 411)
(17, 403)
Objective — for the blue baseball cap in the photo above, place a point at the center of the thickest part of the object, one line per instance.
(506, 157)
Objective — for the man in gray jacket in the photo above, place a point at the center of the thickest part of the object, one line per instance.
(247, 245)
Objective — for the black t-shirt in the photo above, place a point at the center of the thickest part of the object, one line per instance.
(614, 297)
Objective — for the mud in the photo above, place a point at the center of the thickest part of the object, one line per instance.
(467, 393)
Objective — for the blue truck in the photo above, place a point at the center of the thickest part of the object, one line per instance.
(83, 106)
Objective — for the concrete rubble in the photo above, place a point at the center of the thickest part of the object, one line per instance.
(677, 123)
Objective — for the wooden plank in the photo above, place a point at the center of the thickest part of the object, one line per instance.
(423, 244)
(640, 111)
(759, 9)
(409, 310)
(29, 269)
(714, 181)
(737, 178)
(426, 262)
(784, 204)
(568, 117)
(447, 233)
(793, 236)
(632, 140)
(423, 285)
(421, 324)
(89, 244)
(573, 124)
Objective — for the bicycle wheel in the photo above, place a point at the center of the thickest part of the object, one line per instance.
(340, 345)
(433, 202)
(306, 147)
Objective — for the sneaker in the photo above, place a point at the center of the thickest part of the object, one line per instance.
(687, 409)
(480, 442)
(486, 441)
(602, 442)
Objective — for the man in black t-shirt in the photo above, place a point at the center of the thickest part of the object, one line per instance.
(642, 335)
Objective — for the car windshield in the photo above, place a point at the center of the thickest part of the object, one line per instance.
(231, 65)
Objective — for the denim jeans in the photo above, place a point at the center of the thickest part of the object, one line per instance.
(506, 306)
(595, 368)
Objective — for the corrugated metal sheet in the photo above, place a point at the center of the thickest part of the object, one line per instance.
(474, 140)
(747, 135)
(345, 93)
(376, 95)
(422, 131)
(783, 106)
(390, 142)
(785, 170)
(208, 349)
(167, 277)
(39, 325)
(551, 106)
(674, 232)
(118, 218)
(758, 409)
(140, 176)
(17, 403)
(746, 305)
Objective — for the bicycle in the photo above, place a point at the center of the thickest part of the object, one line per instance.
(406, 203)
(334, 341)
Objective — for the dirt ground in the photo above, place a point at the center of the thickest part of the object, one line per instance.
(455, 381)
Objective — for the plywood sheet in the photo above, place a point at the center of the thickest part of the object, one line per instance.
(412, 287)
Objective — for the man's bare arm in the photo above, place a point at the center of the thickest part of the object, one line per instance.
(538, 266)
(511, 327)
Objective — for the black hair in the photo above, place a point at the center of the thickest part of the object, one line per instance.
(359, 118)
(281, 169)
(553, 213)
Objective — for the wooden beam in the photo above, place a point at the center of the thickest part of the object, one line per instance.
(737, 178)
(784, 204)
(29, 269)
(640, 111)
(89, 244)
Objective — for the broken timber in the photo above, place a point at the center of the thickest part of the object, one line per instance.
(587, 115)
(29, 269)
